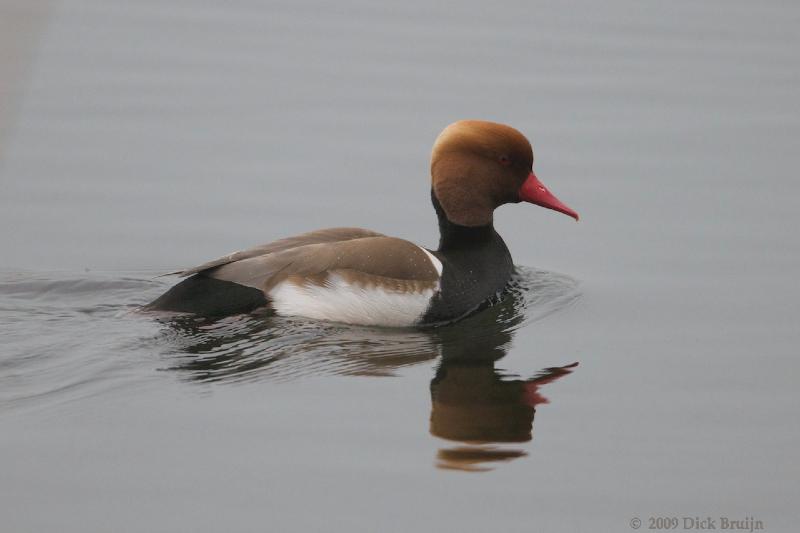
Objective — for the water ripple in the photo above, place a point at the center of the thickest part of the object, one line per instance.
(69, 336)
(249, 347)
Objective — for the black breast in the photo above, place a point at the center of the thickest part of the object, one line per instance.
(476, 267)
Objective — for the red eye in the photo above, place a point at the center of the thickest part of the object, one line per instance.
(505, 160)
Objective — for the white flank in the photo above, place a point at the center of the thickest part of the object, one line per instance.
(341, 301)
(434, 261)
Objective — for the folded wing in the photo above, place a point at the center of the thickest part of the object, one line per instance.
(365, 261)
(312, 237)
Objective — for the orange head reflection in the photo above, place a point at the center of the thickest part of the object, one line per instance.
(474, 404)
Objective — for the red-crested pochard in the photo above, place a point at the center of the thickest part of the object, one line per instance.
(362, 277)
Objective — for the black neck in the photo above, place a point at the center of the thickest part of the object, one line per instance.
(477, 266)
(453, 236)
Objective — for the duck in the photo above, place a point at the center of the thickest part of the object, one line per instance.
(362, 277)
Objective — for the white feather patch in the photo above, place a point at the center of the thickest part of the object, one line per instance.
(341, 301)
(434, 261)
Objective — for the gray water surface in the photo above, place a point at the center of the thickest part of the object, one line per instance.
(141, 137)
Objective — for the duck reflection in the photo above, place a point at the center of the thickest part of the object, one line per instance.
(480, 407)
(253, 348)
(474, 403)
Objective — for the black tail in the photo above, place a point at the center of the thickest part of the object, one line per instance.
(206, 296)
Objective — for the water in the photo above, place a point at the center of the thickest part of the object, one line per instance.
(145, 137)
(236, 349)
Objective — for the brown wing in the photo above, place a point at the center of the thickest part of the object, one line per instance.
(312, 237)
(367, 259)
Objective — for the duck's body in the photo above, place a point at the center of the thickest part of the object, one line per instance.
(362, 277)
(351, 275)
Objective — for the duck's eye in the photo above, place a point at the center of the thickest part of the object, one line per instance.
(504, 160)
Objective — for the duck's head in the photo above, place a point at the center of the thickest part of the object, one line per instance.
(477, 166)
